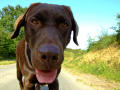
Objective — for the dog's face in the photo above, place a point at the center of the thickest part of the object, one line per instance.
(47, 32)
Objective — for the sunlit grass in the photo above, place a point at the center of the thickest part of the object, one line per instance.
(104, 63)
(6, 61)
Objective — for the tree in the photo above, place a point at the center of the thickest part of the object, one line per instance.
(8, 15)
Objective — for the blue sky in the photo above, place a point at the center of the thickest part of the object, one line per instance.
(93, 16)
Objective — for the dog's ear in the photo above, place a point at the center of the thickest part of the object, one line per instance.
(74, 25)
(21, 21)
(17, 25)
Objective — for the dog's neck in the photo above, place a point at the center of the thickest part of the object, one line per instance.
(28, 53)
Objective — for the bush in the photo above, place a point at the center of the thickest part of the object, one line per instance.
(103, 42)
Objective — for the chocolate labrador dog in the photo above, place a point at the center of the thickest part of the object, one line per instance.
(40, 53)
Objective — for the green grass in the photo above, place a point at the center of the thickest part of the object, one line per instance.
(6, 61)
(101, 69)
(74, 62)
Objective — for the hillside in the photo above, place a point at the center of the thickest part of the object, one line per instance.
(103, 64)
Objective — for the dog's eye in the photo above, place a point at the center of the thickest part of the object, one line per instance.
(34, 21)
(64, 25)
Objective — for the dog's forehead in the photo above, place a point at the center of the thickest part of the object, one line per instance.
(49, 8)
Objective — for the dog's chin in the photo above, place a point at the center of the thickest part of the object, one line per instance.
(45, 76)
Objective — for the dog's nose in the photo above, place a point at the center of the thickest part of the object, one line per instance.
(49, 52)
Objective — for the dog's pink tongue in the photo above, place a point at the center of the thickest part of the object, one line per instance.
(45, 76)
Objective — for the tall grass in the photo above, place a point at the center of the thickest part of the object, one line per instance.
(101, 69)
(75, 62)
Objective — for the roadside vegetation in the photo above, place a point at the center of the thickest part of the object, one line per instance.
(104, 63)
(6, 61)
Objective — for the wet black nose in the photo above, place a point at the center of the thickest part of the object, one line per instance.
(49, 52)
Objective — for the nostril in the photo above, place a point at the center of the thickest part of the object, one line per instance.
(55, 58)
(44, 57)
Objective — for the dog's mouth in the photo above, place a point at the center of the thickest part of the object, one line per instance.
(45, 76)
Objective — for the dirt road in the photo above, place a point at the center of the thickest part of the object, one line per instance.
(8, 80)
